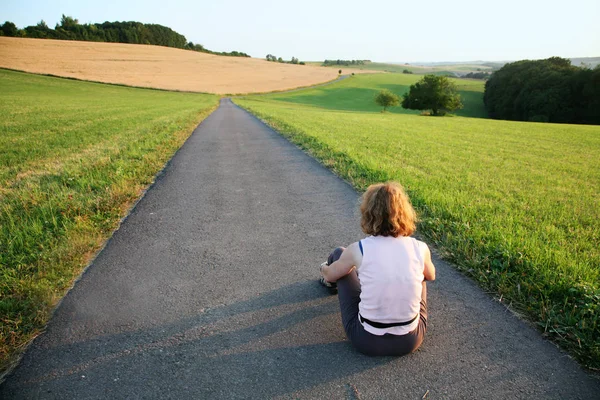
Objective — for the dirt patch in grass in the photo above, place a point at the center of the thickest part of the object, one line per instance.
(156, 66)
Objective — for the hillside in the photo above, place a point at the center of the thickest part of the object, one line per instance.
(156, 66)
(357, 93)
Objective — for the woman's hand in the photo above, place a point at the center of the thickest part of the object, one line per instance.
(350, 258)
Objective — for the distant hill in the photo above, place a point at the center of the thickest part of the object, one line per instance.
(455, 70)
(479, 69)
(590, 62)
(112, 32)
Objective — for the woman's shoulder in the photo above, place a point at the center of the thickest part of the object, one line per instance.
(419, 242)
(423, 248)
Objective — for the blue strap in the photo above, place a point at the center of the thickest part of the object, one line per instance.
(361, 249)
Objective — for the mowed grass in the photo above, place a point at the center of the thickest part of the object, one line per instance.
(357, 93)
(515, 205)
(74, 156)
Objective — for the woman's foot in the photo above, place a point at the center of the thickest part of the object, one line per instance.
(331, 286)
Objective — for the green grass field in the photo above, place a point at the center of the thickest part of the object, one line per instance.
(515, 205)
(357, 93)
(74, 156)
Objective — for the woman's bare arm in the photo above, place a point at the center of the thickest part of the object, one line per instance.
(350, 258)
(429, 270)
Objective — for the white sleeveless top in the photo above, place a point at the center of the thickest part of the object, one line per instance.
(391, 276)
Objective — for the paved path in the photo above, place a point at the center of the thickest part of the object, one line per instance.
(208, 290)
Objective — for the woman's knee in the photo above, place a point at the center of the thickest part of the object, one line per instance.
(350, 283)
(335, 255)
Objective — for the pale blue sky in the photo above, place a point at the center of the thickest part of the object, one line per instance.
(384, 30)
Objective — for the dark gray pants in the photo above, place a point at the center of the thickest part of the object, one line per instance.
(363, 341)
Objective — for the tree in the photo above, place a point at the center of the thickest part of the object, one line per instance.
(435, 93)
(10, 29)
(67, 22)
(386, 99)
(340, 72)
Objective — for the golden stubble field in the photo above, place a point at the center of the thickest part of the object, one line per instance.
(156, 66)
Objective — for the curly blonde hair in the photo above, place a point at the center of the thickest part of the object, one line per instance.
(386, 211)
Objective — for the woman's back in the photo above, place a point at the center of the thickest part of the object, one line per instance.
(391, 276)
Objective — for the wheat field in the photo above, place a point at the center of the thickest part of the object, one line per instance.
(156, 66)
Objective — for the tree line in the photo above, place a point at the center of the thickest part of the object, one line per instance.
(550, 90)
(114, 32)
(344, 62)
(294, 60)
(477, 75)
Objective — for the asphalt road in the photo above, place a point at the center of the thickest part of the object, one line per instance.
(209, 290)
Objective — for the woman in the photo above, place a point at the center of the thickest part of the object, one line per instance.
(381, 279)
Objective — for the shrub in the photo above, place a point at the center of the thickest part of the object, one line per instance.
(386, 99)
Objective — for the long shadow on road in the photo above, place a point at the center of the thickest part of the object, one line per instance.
(274, 334)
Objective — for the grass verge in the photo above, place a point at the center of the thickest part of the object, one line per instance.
(514, 205)
(74, 156)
